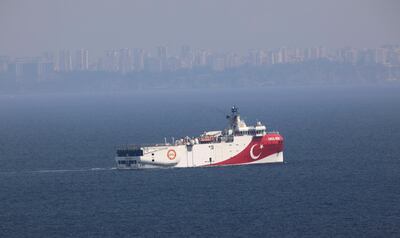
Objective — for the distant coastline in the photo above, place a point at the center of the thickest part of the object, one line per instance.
(318, 72)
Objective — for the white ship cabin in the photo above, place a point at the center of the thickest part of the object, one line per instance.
(237, 127)
(258, 130)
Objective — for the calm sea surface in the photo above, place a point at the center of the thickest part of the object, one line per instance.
(341, 176)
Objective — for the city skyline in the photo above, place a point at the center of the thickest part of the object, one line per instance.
(135, 60)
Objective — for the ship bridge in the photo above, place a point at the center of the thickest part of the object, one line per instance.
(238, 127)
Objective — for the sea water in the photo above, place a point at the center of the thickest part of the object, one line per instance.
(341, 175)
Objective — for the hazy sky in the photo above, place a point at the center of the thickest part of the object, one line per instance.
(29, 27)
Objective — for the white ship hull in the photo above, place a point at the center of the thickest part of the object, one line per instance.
(243, 150)
(239, 144)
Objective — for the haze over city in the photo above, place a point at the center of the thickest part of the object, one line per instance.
(53, 41)
(30, 28)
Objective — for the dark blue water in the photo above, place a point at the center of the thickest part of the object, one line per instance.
(342, 176)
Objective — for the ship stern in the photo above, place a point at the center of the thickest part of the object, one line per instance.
(128, 158)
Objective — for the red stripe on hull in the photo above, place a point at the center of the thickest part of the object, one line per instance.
(257, 149)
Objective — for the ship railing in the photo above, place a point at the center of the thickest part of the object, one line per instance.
(273, 132)
(138, 146)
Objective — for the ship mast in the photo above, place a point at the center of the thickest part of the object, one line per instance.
(234, 120)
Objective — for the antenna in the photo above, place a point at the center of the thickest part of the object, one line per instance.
(234, 109)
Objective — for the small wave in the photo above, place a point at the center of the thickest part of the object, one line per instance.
(56, 171)
(112, 168)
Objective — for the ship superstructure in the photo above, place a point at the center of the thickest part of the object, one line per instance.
(238, 144)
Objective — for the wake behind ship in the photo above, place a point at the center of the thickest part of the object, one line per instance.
(238, 144)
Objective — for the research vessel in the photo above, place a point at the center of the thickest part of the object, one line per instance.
(238, 144)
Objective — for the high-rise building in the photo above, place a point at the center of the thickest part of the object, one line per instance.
(232, 60)
(298, 55)
(366, 56)
(397, 56)
(218, 63)
(393, 55)
(315, 53)
(138, 59)
(323, 52)
(50, 57)
(253, 57)
(283, 55)
(200, 58)
(82, 60)
(162, 55)
(63, 61)
(186, 57)
(173, 64)
(162, 52)
(257, 57)
(125, 60)
(263, 57)
(31, 68)
(275, 57)
(186, 52)
(348, 55)
(152, 64)
(111, 61)
(4, 62)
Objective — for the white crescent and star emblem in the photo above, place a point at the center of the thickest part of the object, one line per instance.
(254, 157)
